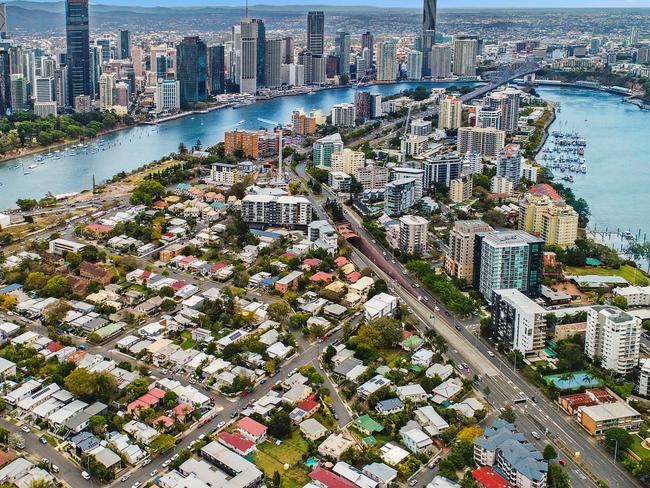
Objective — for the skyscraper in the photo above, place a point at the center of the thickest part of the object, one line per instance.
(216, 69)
(414, 65)
(634, 35)
(343, 52)
(440, 59)
(287, 50)
(191, 70)
(386, 61)
(261, 52)
(78, 44)
(465, 52)
(316, 33)
(368, 42)
(4, 34)
(5, 81)
(105, 45)
(428, 34)
(248, 56)
(273, 61)
(124, 44)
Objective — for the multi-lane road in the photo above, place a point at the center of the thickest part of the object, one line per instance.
(586, 459)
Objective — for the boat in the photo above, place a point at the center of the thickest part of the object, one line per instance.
(628, 235)
(32, 166)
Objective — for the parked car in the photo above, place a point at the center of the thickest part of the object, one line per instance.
(85, 475)
(55, 468)
(563, 462)
(25, 429)
(413, 482)
(124, 478)
(535, 435)
(42, 440)
(153, 473)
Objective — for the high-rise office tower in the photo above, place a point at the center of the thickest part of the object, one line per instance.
(191, 70)
(634, 35)
(386, 61)
(48, 65)
(124, 44)
(19, 98)
(136, 56)
(4, 31)
(105, 45)
(248, 56)
(107, 90)
(368, 42)
(428, 34)
(261, 51)
(45, 89)
(343, 52)
(61, 86)
(273, 63)
(5, 81)
(160, 66)
(95, 68)
(287, 50)
(465, 52)
(216, 69)
(78, 44)
(507, 101)
(316, 33)
(440, 61)
(414, 65)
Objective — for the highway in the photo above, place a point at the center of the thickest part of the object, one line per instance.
(504, 383)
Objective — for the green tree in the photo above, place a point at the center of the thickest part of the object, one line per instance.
(618, 439)
(35, 281)
(136, 388)
(620, 301)
(549, 452)
(508, 414)
(557, 478)
(279, 425)
(97, 424)
(26, 204)
(162, 443)
(147, 192)
(279, 311)
(57, 287)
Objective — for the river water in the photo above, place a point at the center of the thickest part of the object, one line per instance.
(617, 182)
(616, 186)
(131, 148)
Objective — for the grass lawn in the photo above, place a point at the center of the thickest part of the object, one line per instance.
(188, 342)
(631, 274)
(51, 440)
(638, 449)
(270, 458)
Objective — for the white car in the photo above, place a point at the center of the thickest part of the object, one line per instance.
(146, 461)
(153, 473)
(85, 475)
(437, 308)
(221, 424)
(491, 354)
(124, 478)
(136, 484)
(166, 463)
(25, 429)
(536, 435)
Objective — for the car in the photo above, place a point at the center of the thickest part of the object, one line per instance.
(192, 381)
(55, 468)
(42, 440)
(384, 253)
(153, 473)
(432, 464)
(535, 435)
(221, 424)
(124, 478)
(426, 299)
(164, 371)
(563, 462)
(392, 261)
(201, 437)
(374, 241)
(436, 308)
(459, 366)
(534, 399)
(25, 429)
(413, 482)
(458, 327)
(136, 484)
(166, 463)
(336, 416)
(45, 461)
(491, 354)
(85, 475)
(146, 461)
(405, 272)
(175, 457)
(465, 366)
(234, 414)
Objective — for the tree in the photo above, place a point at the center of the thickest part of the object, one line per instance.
(279, 311)
(168, 305)
(4, 436)
(26, 204)
(469, 434)
(35, 281)
(557, 478)
(378, 287)
(549, 452)
(136, 388)
(508, 414)
(91, 386)
(276, 479)
(280, 425)
(618, 439)
(147, 192)
(162, 443)
(57, 287)
(170, 400)
(91, 254)
(620, 301)
(97, 424)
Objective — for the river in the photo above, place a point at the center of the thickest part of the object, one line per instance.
(131, 148)
(617, 183)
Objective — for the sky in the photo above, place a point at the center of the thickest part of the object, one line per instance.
(391, 3)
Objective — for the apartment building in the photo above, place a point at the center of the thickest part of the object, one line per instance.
(348, 161)
(613, 337)
(252, 144)
(486, 141)
(272, 210)
(519, 321)
(413, 234)
(459, 261)
(554, 221)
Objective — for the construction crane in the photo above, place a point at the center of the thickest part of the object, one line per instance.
(277, 125)
(406, 129)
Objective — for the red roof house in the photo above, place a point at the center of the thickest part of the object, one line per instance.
(488, 478)
(353, 277)
(163, 420)
(99, 228)
(309, 405)
(237, 443)
(341, 261)
(179, 285)
(251, 429)
(182, 410)
(311, 263)
(321, 276)
(329, 479)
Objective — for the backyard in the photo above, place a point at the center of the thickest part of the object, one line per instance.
(271, 457)
(631, 274)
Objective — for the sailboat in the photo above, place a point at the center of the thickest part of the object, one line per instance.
(25, 172)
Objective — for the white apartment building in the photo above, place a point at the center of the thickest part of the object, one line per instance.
(168, 96)
(486, 141)
(276, 210)
(451, 113)
(637, 296)
(372, 177)
(613, 337)
(501, 185)
(644, 377)
(459, 261)
(344, 114)
(519, 321)
(413, 234)
(413, 145)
